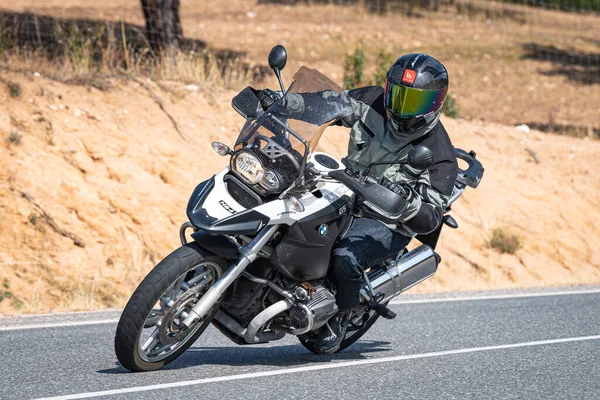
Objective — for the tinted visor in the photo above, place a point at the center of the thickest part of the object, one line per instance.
(409, 102)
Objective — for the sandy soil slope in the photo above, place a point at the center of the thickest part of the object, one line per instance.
(109, 170)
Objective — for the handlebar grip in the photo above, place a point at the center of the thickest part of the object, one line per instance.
(380, 200)
(371, 180)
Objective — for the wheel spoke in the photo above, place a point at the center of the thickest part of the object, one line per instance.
(176, 290)
(154, 318)
(151, 340)
(158, 350)
(199, 277)
(166, 301)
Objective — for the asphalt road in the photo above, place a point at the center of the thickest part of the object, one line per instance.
(498, 345)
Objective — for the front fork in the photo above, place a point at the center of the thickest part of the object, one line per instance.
(248, 255)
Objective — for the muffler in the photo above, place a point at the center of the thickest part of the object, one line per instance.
(403, 273)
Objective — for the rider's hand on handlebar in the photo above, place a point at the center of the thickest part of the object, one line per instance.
(401, 189)
(267, 97)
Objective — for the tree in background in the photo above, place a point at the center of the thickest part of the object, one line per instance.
(163, 24)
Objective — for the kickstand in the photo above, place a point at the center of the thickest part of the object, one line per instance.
(375, 305)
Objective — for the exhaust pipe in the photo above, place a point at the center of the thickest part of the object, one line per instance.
(404, 273)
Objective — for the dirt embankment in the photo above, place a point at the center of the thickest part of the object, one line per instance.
(93, 188)
(507, 63)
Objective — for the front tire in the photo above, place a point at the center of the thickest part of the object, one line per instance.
(150, 334)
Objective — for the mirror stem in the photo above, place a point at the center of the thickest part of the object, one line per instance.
(278, 74)
(366, 173)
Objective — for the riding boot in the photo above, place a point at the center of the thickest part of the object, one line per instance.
(331, 335)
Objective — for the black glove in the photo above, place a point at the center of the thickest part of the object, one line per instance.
(267, 97)
(401, 189)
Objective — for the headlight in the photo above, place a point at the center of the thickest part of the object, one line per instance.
(270, 181)
(248, 166)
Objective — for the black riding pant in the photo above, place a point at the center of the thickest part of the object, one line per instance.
(367, 243)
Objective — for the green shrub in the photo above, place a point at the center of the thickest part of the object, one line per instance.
(449, 108)
(382, 66)
(14, 89)
(14, 138)
(505, 242)
(354, 69)
(33, 218)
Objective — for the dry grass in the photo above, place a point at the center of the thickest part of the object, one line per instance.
(83, 51)
(199, 68)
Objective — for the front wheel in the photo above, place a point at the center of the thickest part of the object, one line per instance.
(150, 333)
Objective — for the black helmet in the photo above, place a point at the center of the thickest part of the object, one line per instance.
(415, 90)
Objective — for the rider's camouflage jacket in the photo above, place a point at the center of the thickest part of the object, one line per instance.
(371, 141)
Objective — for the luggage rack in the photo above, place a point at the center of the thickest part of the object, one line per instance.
(472, 175)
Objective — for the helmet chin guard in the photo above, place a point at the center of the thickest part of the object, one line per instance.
(413, 125)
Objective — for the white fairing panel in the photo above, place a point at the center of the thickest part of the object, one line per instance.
(219, 203)
(279, 211)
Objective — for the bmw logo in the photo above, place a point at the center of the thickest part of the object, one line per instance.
(323, 230)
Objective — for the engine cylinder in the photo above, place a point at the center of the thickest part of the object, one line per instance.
(404, 273)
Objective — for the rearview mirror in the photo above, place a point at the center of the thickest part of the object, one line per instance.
(277, 61)
(278, 58)
(420, 157)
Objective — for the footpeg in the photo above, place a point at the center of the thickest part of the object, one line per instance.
(385, 312)
(450, 221)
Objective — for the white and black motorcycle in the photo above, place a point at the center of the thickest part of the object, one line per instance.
(263, 231)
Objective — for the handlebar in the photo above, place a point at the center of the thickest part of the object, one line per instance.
(387, 204)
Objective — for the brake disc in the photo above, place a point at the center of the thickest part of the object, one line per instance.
(171, 329)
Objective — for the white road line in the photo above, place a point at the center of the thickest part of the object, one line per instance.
(495, 297)
(318, 367)
(393, 302)
(58, 324)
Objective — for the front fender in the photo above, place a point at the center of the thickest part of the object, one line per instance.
(216, 244)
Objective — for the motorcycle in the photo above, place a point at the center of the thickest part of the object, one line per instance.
(263, 230)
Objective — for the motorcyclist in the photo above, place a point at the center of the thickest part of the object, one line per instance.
(385, 124)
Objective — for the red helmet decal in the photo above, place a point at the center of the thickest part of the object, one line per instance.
(409, 76)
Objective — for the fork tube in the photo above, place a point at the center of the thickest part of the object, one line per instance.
(214, 293)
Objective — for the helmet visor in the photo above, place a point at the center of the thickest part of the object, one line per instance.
(409, 102)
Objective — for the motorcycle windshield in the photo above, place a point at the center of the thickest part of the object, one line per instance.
(312, 103)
